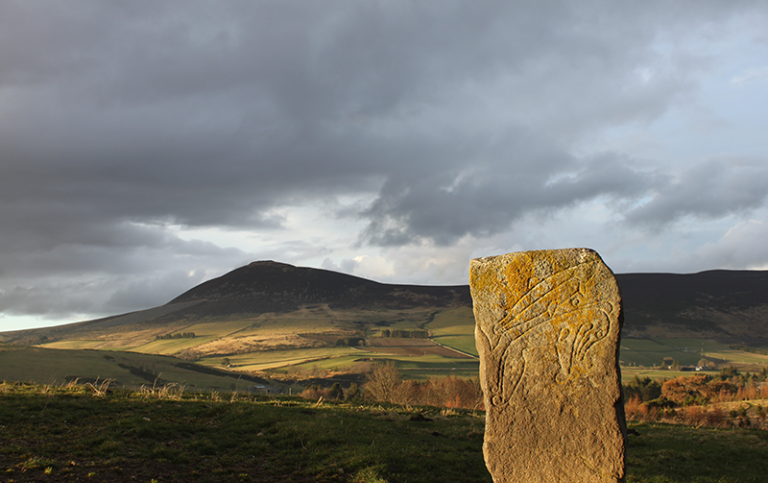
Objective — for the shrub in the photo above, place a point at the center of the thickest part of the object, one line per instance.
(632, 408)
(315, 392)
(645, 389)
(715, 417)
(385, 384)
(353, 393)
(694, 415)
(686, 389)
(381, 382)
(336, 392)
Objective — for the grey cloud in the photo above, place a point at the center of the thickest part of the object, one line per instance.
(711, 189)
(119, 117)
(742, 247)
(97, 296)
(348, 265)
(495, 194)
(74, 279)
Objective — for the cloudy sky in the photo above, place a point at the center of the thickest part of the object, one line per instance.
(148, 146)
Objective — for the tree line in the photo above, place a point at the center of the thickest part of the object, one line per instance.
(405, 333)
(384, 383)
(178, 335)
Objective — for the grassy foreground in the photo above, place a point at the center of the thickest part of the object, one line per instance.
(87, 433)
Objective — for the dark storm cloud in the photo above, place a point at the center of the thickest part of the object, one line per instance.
(710, 189)
(120, 118)
(486, 197)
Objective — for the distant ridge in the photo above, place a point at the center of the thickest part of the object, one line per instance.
(727, 305)
(268, 286)
(724, 305)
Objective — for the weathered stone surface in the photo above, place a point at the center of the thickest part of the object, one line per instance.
(547, 331)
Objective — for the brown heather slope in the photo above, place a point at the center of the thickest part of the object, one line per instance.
(727, 306)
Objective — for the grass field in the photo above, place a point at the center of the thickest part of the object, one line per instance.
(463, 343)
(75, 344)
(629, 373)
(171, 346)
(80, 434)
(259, 361)
(455, 322)
(342, 363)
(128, 369)
(108, 345)
(739, 356)
(413, 367)
(651, 352)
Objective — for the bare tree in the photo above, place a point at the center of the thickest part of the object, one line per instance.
(381, 383)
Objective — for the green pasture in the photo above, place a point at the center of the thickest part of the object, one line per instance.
(428, 361)
(695, 348)
(74, 344)
(695, 345)
(104, 345)
(629, 373)
(464, 343)
(413, 367)
(405, 319)
(651, 352)
(217, 328)
(338, 363)
(345, 358)
(424, 367)
(54, 366)
(171, 346)
(453, 322)
(260, 361)
(279, 325)
(127, 369)
(739, 357)
(645, 352)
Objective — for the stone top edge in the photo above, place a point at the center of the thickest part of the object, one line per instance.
(580, 250)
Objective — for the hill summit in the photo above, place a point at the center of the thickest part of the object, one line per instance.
(268, 286)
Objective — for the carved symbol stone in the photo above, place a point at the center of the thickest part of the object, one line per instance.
(547, 329)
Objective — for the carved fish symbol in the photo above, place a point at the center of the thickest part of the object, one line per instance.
(554, 305)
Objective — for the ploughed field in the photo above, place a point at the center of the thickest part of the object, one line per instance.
(85, 432)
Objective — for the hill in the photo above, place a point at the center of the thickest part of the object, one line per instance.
(728, 306)
(268, 286)
(275, 317)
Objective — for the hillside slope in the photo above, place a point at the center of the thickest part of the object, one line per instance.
(728, 306)
(268, 286)
(269, 305)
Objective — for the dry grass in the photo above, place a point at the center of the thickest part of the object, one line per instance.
(168, 392)
(98, 389)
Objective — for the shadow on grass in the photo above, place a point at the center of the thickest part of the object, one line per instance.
(683, 454)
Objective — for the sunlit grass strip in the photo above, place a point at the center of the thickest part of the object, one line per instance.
(171, 346)
(456, 322)
(463, 343)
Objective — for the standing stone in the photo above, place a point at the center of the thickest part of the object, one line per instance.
(547, 331)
